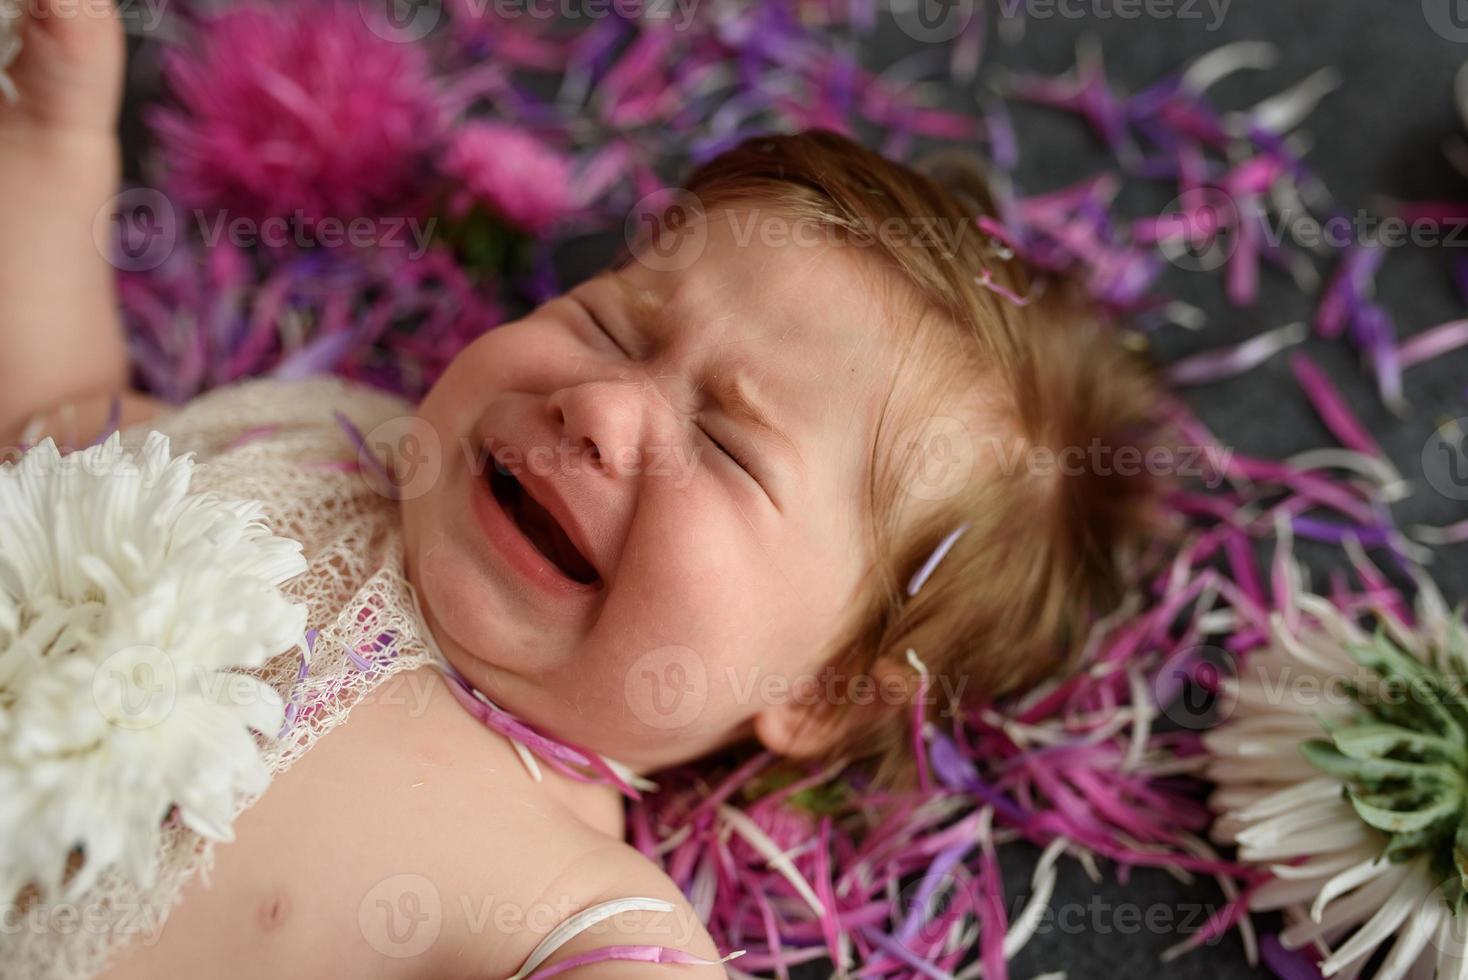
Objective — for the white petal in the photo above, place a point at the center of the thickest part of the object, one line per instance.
(1346, 880)
(1311, 791)
(1410, 942)
(1376, 931)
(1452, 957)
(1329, 838)
(1350, 910)
(1323, 867)
(1282, 892)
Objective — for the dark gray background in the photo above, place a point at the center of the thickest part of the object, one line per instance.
(1380, 133)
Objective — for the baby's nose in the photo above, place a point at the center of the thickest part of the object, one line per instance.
(603, 423)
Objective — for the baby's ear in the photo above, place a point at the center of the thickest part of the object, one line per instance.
(817, 717)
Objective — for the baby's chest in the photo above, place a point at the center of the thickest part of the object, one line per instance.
(403, 844)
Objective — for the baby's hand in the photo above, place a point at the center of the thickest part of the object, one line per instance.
(60, 163)
(68, 75)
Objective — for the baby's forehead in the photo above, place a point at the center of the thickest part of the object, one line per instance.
(832, 338)
(787, 287)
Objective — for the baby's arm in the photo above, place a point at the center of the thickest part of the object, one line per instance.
(60, 334)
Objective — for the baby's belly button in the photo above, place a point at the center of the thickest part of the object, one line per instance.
(274, 911)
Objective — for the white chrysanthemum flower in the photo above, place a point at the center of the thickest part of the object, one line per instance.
(1342, 771)
(127, 607)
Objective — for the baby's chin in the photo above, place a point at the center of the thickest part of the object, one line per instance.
(473, 627)
(536, 667)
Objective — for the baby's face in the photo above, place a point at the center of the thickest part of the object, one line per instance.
(704, 587)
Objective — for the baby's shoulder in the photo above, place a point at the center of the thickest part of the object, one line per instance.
(611, 894)
(510, 878)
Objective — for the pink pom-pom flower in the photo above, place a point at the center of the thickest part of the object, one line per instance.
(298, 107)
(510, 173)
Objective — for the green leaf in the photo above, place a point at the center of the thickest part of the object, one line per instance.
(1325, 756)
(486, 244)
(830, 798)
(1385, 659)
(1404, 764)
(1393, 820)
(1374, 741)
(1408, 846)
(1427, 694)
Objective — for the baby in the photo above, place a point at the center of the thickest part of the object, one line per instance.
(676, 510)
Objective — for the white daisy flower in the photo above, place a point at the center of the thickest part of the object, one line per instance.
(1343, 770)
(128, 607)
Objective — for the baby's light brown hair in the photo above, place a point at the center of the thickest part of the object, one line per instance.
(1012, 601)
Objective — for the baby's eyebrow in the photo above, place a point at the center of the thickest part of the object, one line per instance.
(733, 394)
(643, 302)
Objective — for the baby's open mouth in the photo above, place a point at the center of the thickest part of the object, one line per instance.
(538, 526)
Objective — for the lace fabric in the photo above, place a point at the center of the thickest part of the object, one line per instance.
(276, 442)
